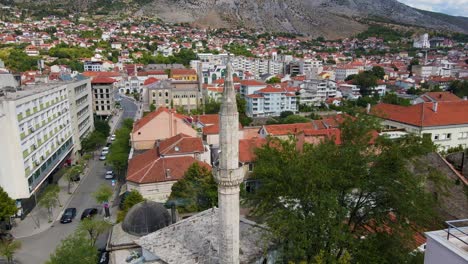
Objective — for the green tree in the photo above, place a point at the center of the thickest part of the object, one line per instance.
(75, 249)
(118, 155)
(273, 80)
(326, 196)
(152, 107)
(134, 197)
(102, 127)
(460, 88)
(242, 109)
(8, 249)
(7, 205)
(392, 98)
(103, 193)
(378, 72)
(212, 106)
(366, 80)
(94, 228)
(49, 200)
(71, 175)
(93, 141)
(196, 192)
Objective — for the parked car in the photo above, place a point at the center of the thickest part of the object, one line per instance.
(103, 256)
(68, 215)
(105, 152)
(109, 175)
(102, 157)
(88, 213)
(112, 138)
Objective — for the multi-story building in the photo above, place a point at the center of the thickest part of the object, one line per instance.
(173, 94)
(250, 87)
(95, 66)
(271, 101)
(42, 125)
(80, 99)
(342, 72)
(423, 71)
(311, 67)
(315, 92)
(421, 41)
(103, 95)
(184, 74)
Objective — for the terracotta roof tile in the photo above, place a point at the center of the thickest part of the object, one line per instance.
(247, 148)
(448, 113)
(103, 80)
(181, 144)
(146, 119)
(150, 168)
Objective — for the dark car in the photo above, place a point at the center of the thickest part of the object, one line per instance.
(5, 236)
(68, 215)
(88, 213)
(103, 256)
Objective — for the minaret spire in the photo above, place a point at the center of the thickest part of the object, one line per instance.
(229, 176)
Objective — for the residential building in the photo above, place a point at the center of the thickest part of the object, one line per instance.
(436, 97)
(103, 95)
(421, 41)
(41, 127)
(159, 125)
(448, 245)
(311, 68)
(250, 86)
(423, 71)
(446, 123)
(184, 74)
(172, 93)
(153, 172)
(271, 101)
(94, 66)
(342, 72)
(80, 99)
(316, 92)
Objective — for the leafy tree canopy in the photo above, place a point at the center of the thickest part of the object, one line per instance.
(75, 249)
(7, 205)
(321, 200)
(196, 192)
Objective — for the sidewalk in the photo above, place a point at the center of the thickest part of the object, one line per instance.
(37, 220)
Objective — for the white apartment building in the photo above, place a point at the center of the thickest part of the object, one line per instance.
(311, 68)
(95, 66)
(422, 41)
(81, 111)
(41, 126)
(423, 71)
(341, 73)
(271, 101)
(316, 92)
(250, 87)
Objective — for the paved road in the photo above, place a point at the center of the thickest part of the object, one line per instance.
(37, 249)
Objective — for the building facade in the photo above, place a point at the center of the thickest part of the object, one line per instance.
(271, 101)
(39, 133)
(103, 96)
(173, 94)
(316, 92)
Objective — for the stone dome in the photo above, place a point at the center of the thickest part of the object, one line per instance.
(146, 217)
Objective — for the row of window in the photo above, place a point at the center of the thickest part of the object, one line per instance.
(35, 105)
(31, 125)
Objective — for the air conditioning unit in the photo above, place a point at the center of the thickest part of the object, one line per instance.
(32, 129)
(36, 163)
(34, 146)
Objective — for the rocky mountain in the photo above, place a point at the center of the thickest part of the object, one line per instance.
(328, 18)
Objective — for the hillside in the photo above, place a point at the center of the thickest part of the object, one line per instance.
(328, 18)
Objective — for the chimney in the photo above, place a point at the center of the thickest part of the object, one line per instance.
(434, 106)
(175, 126)
(368, 108)
(157, 147)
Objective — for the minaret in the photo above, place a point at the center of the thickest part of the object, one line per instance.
(229, 176)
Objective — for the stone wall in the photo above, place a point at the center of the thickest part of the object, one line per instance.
(456, 160)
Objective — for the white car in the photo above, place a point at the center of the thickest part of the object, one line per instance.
(112, 138)
(109, 175)
(102, 157)
(105, 149)
(105, 152)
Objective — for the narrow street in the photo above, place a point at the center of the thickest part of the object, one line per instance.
(37, 248)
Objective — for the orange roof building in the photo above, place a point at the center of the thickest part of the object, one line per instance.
(445, 122)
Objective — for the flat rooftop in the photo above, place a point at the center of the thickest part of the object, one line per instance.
(455, 238)
(32, 89)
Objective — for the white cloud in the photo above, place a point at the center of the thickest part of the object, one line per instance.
(451, 7)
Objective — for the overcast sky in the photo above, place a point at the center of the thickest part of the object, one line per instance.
(451, 7)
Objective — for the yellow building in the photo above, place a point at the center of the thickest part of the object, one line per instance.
(184, 74)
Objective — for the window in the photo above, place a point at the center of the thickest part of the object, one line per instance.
(449, 136)
(463, 135)
(251, 166)
(436, 137)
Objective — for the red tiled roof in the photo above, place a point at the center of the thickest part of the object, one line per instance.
(101, 74)
(209, 119)
(146, 119)
(183, 72)
(285, 129)
(214, 129)
(448, 113)
(247, 148)
(181, 144)
(103, 80)
(150, 80)
(150, 168)
(440, 97)
(251, 83)
(271, 89)
(255, 96)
